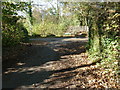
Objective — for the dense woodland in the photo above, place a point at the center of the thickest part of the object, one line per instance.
(102, 18)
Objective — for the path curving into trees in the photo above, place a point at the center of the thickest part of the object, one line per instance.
(32, 67)
(56, 63)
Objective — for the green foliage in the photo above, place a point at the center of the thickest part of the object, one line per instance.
(103, 20)
(110, 54)
(23, 29)
(47, 28)
(52, 22)
(10, 8)
(13, 32)
(11, 35)
(104, 41)
(26, 24)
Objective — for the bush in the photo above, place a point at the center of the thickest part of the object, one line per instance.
(47, 28)
(110, 54)
(12, 35)
(25, 37)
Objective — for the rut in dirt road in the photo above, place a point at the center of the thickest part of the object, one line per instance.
(43, 59)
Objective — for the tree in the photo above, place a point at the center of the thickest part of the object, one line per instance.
(13, 32)
(103, 21)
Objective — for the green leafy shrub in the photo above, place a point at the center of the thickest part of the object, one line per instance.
(46, 28)
(25, 37)
(13, 31)
(104, 36)
(110, 54)
(11, 35)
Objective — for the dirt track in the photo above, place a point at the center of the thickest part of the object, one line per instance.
(34, 67)
(56, 63)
